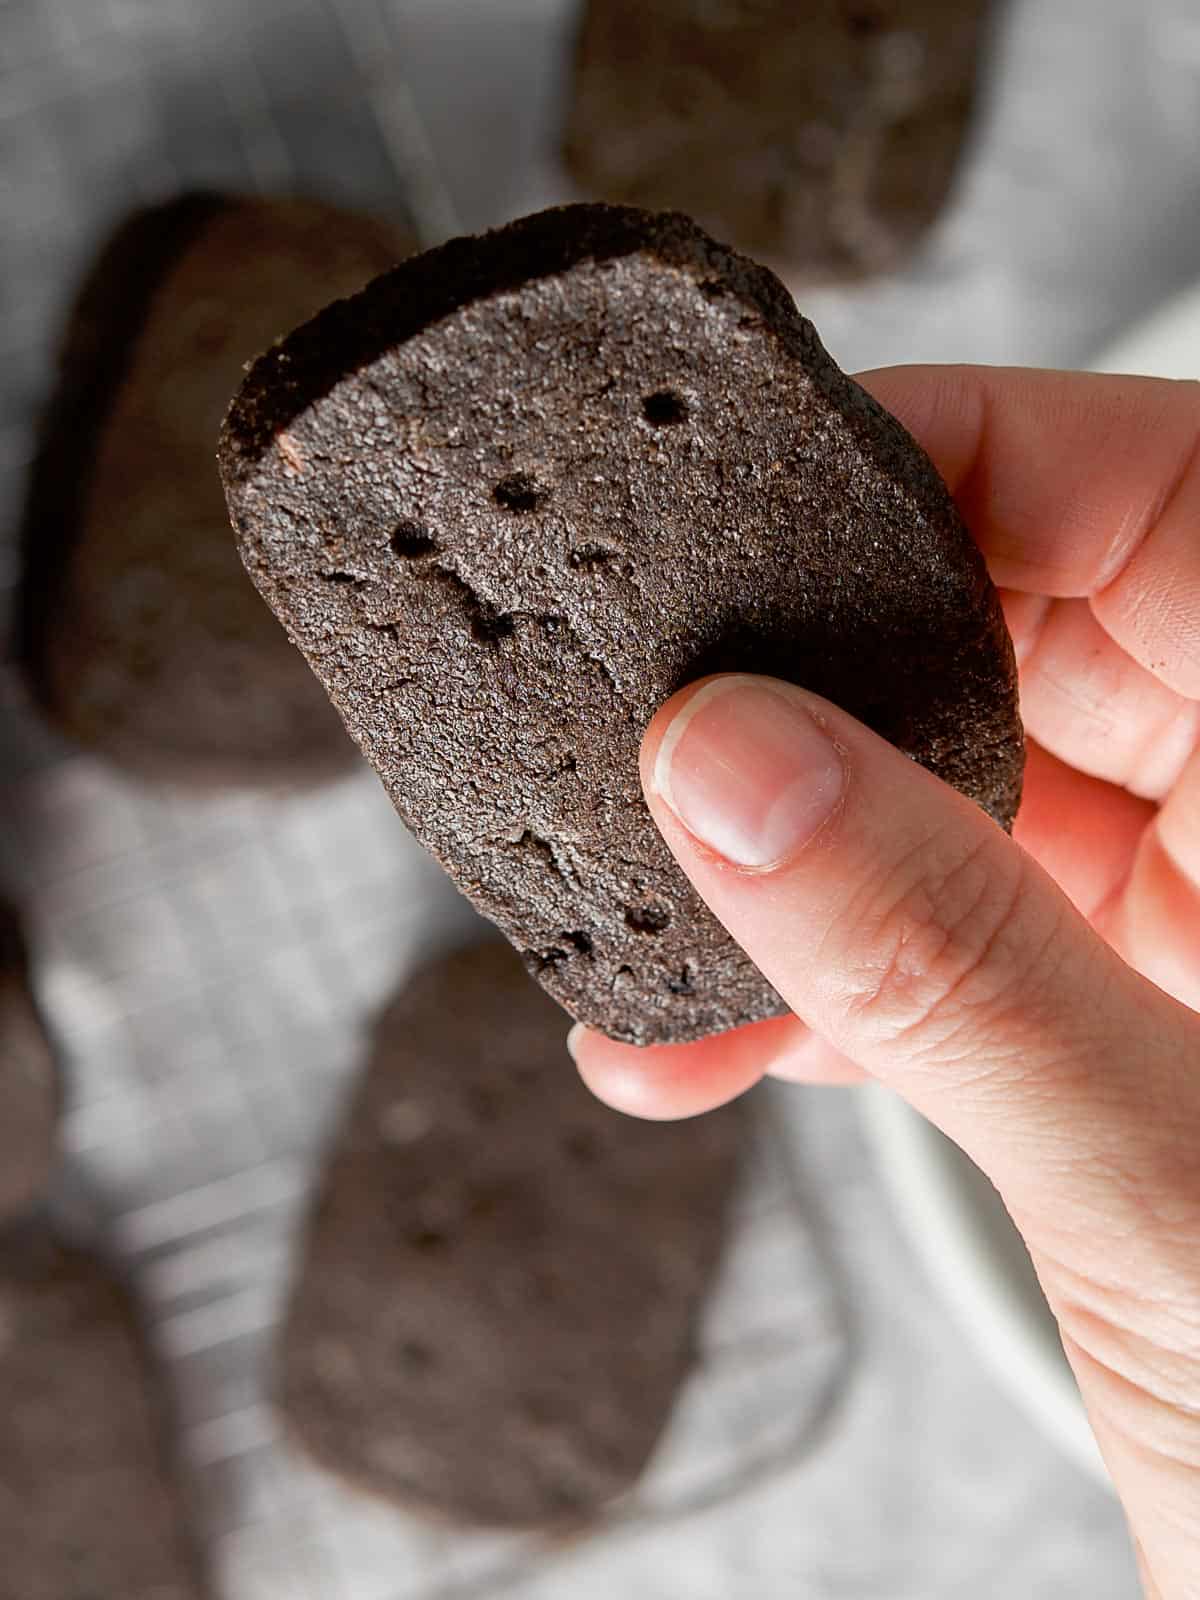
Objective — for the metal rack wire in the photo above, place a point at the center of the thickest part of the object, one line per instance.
(210, 963)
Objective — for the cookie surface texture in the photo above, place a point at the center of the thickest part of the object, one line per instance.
(141, 636)
(824, 136)
(88, 1507)
(522, 489)
(497, 1306)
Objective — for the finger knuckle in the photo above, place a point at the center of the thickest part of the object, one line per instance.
(1133, 1328)
(947, 948)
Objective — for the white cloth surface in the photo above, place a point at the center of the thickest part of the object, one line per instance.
(210, 964)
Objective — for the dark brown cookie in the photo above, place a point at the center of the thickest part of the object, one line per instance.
(496, 1309)
(519, 491)
(824, 135)
(142, 637)
(87, 1507)
(29, 1088)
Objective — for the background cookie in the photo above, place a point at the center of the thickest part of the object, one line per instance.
(142, 636)
(29, 1088)
(496, 1308)
(87, 1507)
(519, 491)
(824, 135)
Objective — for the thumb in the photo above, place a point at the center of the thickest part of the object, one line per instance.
(901, 924)
(910, 932)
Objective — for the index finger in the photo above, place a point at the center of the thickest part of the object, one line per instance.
(1074, 484)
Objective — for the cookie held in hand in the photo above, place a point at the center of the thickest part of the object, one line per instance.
(496, 1309)
(517, 492)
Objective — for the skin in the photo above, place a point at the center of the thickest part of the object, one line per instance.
(1037, 998)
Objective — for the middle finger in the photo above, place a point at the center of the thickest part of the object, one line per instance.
(1091, 704)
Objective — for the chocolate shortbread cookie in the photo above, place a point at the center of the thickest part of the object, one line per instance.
(496, 1309)
(88, 1509)
(142, 637)
(824, 135)
(29, 1085)
(518, 492)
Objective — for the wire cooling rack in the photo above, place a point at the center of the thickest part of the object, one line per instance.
(210, 963)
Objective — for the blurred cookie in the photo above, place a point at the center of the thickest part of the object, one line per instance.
(88, 1509)
(824, 136)
(520, 490)
(142, 637)
(496, 1309)
(29, 1087)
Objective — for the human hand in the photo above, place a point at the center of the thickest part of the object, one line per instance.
(1036, 999)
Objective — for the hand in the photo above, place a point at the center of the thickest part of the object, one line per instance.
(1036, 999)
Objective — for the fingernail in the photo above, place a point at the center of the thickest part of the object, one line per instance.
(747, 771)
(574, 1038)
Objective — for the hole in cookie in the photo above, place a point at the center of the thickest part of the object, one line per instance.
(410, 540)
(652, 918)
(487, 625)
(588, 557)
(491, 628)
(665, 408)
(340, 577)
(684, 983)
(582, 1146)
(415, 1355)
(519, 492)
(539, 847)
(580, 941)
(539, 961)
(429, 1241)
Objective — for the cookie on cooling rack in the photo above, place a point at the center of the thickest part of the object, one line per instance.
(824, 136)
(495, 1310)
(88, 1504)
(519, 491)
(142, 638)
